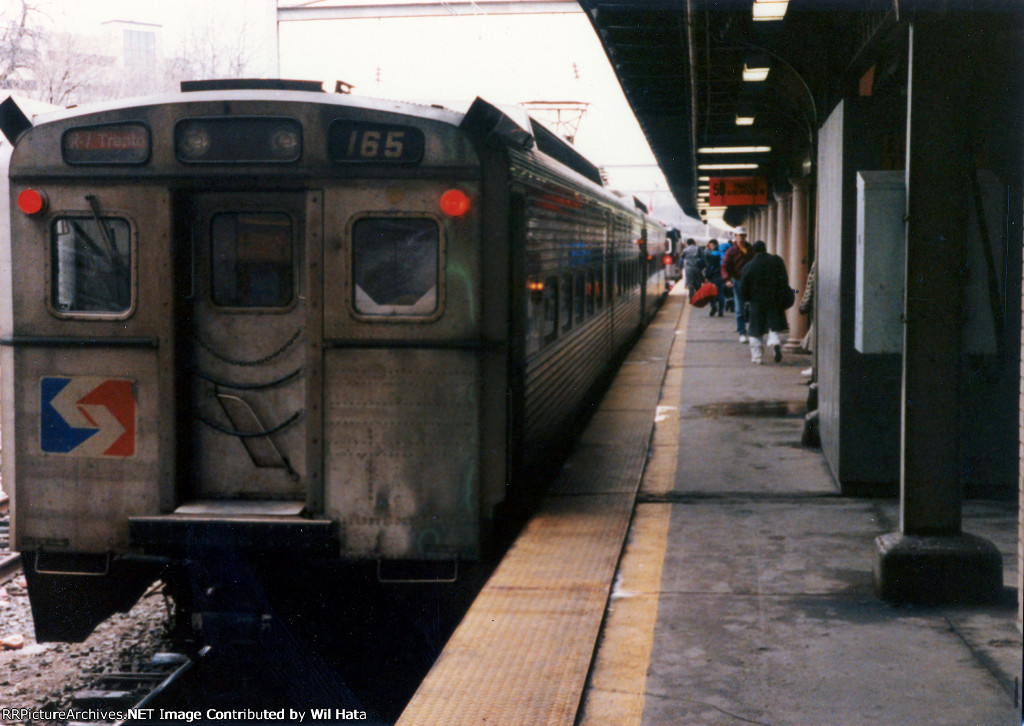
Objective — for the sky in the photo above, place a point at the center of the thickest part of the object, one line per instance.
(506, 59)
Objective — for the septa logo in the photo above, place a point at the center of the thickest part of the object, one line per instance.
(87, 416)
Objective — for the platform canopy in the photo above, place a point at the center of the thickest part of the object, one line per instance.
(749, 82)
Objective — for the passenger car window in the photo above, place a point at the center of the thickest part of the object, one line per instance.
(252, 264)
(578, 297)
(565, 302)
(395, 265)
(549, 331)
(90, 265)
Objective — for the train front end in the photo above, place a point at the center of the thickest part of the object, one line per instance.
(245, 331)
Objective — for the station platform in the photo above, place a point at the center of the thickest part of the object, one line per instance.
(695, 565)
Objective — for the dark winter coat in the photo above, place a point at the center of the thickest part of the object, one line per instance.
(765, 286)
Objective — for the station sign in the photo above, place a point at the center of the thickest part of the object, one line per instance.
(736, 191)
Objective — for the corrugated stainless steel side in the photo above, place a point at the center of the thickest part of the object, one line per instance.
(571, 227)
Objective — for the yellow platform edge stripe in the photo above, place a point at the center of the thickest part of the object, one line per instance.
(617, 688)
(523, 651)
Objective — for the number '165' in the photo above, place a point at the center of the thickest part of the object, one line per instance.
(367, 144)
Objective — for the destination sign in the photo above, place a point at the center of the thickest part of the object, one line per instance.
(123, 143)
(367, 142)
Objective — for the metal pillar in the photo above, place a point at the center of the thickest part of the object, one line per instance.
(930, 559)
(784, 204)
(771, 220)
(796, 264)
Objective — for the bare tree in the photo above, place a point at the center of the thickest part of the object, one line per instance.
(207, 51)
(18, 37)
(71, 69)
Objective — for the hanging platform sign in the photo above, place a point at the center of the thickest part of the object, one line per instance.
(737, 191)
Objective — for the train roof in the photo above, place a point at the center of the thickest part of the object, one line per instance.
(505, 125)
(436, 112)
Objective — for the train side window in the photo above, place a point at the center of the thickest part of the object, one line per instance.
(90, 265)
(591, 293)
(252, 259)
(396, 265)
(579, 297)
(565, 303)
(550, 323)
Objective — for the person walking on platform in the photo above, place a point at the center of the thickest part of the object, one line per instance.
(692, 260)
(764, 285)
(732, 267)
(713, 274)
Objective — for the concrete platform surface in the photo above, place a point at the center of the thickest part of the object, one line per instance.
(745, 592)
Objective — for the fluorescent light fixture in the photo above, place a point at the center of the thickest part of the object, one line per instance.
(734, 149)
(704, 178)
(744, 120)
(756, 67)
(770, 9)
(755, 74)
(716, 167)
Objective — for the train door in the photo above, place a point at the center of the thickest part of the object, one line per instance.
(245, 364)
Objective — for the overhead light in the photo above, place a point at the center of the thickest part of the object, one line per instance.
(704, 178)
(744, 120)
(718, 167)
(755, 74)
(765, 10)
(734, 149)
(756, 67)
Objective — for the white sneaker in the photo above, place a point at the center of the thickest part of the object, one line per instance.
(807, 372)
(757, 361)
(743, 339)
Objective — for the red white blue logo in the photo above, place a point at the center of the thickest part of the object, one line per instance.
(87, 416)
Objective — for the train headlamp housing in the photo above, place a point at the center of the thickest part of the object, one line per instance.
(238, 140)
(193, 143)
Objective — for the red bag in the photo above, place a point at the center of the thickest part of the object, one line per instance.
(704, 294)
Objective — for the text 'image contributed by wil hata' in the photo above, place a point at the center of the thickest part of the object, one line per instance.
(282, 715)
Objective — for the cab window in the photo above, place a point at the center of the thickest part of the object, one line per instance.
(252, 264)
(395, 266)
(90, 265)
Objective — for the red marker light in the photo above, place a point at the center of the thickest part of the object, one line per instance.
(666, 260)
(454, 203)
(31, 201)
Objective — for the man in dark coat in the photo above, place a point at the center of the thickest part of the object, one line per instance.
(764, 285)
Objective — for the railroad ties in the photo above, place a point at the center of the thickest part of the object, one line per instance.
(119, 696)
(10, 562)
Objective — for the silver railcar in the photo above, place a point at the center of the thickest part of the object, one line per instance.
(303, 327)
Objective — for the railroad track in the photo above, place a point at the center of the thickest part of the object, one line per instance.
(10, 562)
(117, 697)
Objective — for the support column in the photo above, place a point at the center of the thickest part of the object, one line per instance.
(930, 559)
(785, 200)
(797, 265)
(770, 221)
